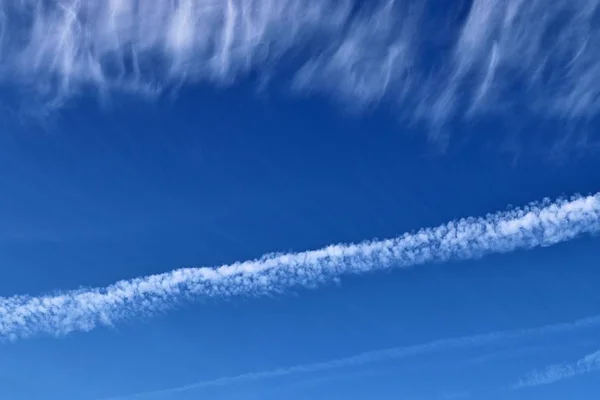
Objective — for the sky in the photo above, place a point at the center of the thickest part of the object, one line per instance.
(266, 199)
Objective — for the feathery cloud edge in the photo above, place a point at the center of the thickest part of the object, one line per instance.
(487, 56)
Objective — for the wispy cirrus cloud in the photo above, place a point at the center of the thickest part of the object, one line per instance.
(370, 357)
(536, 225)
(434, 61)
(558, 372)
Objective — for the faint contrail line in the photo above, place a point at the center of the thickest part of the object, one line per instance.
(535, 225)
(558, 372)
(378, 355)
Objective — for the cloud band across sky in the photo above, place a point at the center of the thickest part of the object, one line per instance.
(536, 225)
(434, 60)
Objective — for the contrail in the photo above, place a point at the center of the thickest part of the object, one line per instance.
(535, 225)
(558, 372)
(380, 355)
(434, 60)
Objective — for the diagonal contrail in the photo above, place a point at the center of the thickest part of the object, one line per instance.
(386, 354)
(535, 225)
(558, 372)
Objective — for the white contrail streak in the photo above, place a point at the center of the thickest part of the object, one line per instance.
(435, 60)
(558, 372)
(535, 225)
(380, 355)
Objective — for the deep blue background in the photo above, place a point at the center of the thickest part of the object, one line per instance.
(98, 193)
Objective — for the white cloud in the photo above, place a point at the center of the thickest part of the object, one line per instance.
(537, 55)
(536, 225)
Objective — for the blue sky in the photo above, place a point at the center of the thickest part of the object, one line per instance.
(137, 141)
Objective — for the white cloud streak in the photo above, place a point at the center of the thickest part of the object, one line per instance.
(542, 224)
(558, 372)
(434, 61)
(379, 356)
